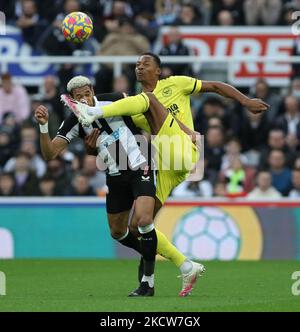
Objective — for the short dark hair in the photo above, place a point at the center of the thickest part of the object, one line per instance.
(155, 57)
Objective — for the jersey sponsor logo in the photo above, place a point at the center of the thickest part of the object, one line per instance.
(173, 109)
(145, 178)
(167, 92)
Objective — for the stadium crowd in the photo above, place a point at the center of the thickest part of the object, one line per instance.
(257, 156)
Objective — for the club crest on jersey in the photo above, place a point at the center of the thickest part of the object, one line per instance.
(167, 92)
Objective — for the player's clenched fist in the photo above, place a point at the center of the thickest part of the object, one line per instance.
(41, 114)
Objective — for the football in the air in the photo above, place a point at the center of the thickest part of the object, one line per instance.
(77, 27)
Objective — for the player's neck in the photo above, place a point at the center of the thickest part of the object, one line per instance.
(149, 86)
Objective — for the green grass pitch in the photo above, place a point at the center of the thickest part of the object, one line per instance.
(103, 285)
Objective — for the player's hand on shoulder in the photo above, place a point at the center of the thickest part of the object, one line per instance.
(41, 114)
(256, 105)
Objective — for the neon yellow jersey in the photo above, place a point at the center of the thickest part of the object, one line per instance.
(174, 93)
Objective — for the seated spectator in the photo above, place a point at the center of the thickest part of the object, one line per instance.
(125, 41)
(37, 164)
(121, 84)
(97, 179)
(276, 140)
(264, 189)
(281, 175)
(262, 12)
(290, 122)
(295, 87)
(46, 186)
(81, 186)
(232, 151)
(50, 96)
(13, 99)
(6, 148)
(212, 107)
(166, 11)
(31, 23)
(146, 25)
(188, 15)
(56, 169)
(25, 180)
(234, 177)
(232, 8)
(175, 46)
(295, 192)
(7, 185)
(252, 130)
(214, 148)
(262, 90)
(225, 18)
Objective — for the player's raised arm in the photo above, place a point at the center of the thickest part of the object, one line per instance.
(50, 148)
(254, 105)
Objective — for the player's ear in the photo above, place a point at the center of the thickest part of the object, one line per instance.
(158, 71)
(93, 92)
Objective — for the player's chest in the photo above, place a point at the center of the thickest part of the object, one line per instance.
(171, 97)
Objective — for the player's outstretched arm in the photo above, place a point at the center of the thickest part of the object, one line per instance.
(50, 148)
(254, 105)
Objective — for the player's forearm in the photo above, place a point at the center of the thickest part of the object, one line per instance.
(228, 91)
(47, 148)
(193, 134)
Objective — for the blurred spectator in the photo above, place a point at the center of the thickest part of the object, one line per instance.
(214, 148)
(26, 181)
(232, 151)
(201, 188)
(234, 177)
(50, 95)
(262, 12)
(233, 9)
(10, 126)
(220, 189)
(36, 163)
(166, 11)
(212, 107)
(252, 130)
(225, 18)
(56, 169)
(295, 87)
(81, 186)
(295, 192)
(175, 46)
(264, 187)
(13, 99)
(123, 42)
(263, 91)
(6, 150)
(97, 179)
(7, 185)
(113, 11)
(146, 25)
(30, 22)
(188, 15)
(290, 121)
(121, 84)
(276, 140)
(281, 175)
(46, 186)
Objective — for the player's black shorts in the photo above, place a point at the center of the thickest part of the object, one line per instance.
(123, 189)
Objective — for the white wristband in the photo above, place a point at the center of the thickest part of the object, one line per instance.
(44, 128)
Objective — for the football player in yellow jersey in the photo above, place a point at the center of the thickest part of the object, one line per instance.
(158, 119)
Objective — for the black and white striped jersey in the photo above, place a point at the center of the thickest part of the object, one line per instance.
(117, 144)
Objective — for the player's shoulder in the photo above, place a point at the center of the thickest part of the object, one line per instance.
(177, 80)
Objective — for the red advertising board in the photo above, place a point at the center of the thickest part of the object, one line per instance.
(240, 42)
